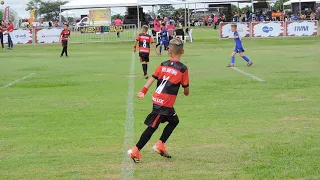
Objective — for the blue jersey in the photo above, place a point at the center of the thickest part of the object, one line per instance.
(164, 35)
(237, 40)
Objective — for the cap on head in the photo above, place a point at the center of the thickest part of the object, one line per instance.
(176, 46)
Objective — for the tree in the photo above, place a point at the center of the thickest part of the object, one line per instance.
(113, 17)
(49, 10)
(1, 14)
(166, 10)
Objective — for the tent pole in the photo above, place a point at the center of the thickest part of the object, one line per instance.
(252, 8)
(60, 16)
(185, 15)
(189, 16)
(300, 7)
(138, 23)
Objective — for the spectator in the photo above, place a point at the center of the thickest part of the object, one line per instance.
(235, 17)
(1, 33)
(312, 16)
(215, 21)
(56, 24)
(171, 29)
(117, 23)
(9, 31)
(180, 31)
(156, 26)
(243, 17)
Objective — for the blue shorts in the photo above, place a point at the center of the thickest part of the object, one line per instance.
(164, 42)
(238, 50)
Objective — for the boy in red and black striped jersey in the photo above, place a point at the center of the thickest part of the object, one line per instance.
(64, 37)
(170, 75)
(144, 40)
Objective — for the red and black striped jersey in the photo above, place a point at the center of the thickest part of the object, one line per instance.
(65, 34)
(170, 75)
(144, 42)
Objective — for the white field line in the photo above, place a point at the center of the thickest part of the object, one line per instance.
(127, 170)
(250, 75)
(18, 80)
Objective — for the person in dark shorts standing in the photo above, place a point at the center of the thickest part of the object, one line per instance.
(10, 29)
(1, 34)
(170, 75)
(144, 41)
(64, 37)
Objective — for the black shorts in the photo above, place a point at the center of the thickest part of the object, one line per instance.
(153, 120)
(144, 57)
(64, 43)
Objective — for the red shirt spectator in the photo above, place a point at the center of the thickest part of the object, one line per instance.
(10, 27)
(118, 22)
(156, 24)
(171, 28)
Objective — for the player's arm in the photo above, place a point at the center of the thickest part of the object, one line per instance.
(154, 46)
(185, 83)
(135, 44)
(144, 90)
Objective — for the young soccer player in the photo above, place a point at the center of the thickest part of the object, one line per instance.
(164, 41)
(239, 48)
(64, 37)
(169, 75)
(144, 40)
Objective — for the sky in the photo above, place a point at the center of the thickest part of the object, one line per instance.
(20, 5)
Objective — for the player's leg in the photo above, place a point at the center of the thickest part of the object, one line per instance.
(161, 44)
(144, 59)
(63, 49)
(66, 48)
(160, 147)
(249, 63)
(152, 121)
(232, 58)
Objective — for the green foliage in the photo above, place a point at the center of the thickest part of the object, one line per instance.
(1, 14)
(49, 10)
(113, 17)
(166, 10)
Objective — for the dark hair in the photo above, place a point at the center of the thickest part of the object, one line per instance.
(66, 25)
(163, 24)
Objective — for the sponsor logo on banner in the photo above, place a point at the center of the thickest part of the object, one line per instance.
(48, 35)
(302, 28)
(101, 29)
(267, 29)
(19, 37)
(242, 28)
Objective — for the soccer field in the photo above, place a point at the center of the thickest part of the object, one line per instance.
(70, 118)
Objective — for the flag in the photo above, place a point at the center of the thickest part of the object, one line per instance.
(6, 14)
(32, 17)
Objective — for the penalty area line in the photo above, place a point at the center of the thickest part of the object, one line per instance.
(18, 80)
(250, 75)
(127, 170)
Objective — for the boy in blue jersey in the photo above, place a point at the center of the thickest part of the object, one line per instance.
(164, 38)
(239, 48)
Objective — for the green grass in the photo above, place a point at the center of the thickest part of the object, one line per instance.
(67, 121)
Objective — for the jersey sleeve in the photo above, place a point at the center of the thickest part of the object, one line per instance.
(156, 73)
(185, 79)
(236, 34)
(138, 38)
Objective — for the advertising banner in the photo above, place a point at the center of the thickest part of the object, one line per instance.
(302, 28)
(48, 35)
(268, 29)
(242, 28)
(19, 37)
(100, 17)
(101, 29)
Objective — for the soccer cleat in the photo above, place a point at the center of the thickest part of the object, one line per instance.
(134, 154)
(230, 65)
(146, 76)
(249, 64)
(160, 148)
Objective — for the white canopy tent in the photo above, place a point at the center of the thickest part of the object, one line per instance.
(91, 4)
(298, 1)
